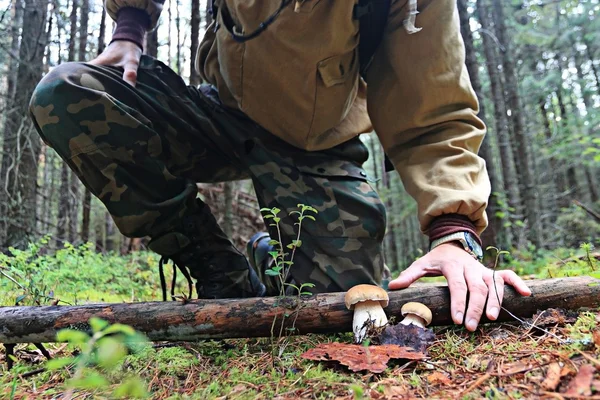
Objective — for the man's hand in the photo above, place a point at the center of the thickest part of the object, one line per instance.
(464, 274)
(124, 54)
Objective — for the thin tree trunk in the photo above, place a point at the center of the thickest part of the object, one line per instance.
(170, 27)
(111, 240)
(509, 171)
(65, 201)
(152, 43)
(23, 142)
(495, 227)
(101, 44)
(591, 184)
(195, 37)
(87, 196)
(178, 27)
(228, 197)
(593, 67)
(531, 196)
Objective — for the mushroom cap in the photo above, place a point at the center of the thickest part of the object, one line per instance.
(418, 309)
(361, 293)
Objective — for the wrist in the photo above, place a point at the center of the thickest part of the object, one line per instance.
(465, 240)
(132, 24)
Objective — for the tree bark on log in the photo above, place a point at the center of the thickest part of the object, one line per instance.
(253, 317)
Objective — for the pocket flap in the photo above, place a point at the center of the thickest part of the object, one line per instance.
(335, 70)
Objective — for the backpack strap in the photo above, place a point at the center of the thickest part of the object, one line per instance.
(372, 16)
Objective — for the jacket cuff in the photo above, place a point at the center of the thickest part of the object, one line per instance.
(448, 224)
(132, 24)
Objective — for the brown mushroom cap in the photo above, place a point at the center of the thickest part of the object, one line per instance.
(418, 309)
(360, 293)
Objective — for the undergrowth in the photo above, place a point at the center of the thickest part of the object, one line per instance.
(499, 360)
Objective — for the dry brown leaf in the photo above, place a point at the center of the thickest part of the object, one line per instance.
(515, 368)
(359, 358)
(552, 377)
(438, 378)
(596, 337)
(394, 392)
(581, 384)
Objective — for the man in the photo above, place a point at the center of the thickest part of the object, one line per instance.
(283, 104)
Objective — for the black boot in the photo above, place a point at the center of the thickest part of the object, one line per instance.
(203, 249)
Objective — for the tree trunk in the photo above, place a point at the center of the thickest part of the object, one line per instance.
(489, 236)
(178, 27)
(101, 44)
(509, 171)
(152, 43)
(253, 317)
(595, 73)
(111, 240)
(19, 166)
(195, 27)
(228, 195)
(514, 103)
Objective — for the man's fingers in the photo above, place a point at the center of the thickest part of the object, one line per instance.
(130, 73)
(495, 284)
(407, 277)
(478, 293)
(458, 293)
(515, 281)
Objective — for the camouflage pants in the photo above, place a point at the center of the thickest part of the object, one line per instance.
(141, 151)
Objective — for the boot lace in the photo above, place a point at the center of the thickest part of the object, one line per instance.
(163, 283)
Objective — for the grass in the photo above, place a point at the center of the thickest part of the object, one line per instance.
(503, 361)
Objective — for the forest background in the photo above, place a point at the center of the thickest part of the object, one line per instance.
(534, 64)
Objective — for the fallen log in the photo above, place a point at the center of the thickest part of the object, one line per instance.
(253, 317)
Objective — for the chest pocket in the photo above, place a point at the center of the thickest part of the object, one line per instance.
(297, 78)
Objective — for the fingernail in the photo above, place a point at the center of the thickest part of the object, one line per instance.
(494, 312)
(459, 317)
(472, 325)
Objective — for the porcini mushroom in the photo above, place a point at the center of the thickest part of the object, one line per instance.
(416, 314)
(368, 302)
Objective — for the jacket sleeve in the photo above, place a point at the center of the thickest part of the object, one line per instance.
(424, 110)
(152, 7)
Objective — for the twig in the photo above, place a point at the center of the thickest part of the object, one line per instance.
(475, 384)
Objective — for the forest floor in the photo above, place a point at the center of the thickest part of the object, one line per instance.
(500, 361)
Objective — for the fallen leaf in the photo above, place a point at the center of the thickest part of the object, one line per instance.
(439, 378)
(581, 384)
(552, 377)
(394, 392)
(359, 358)
(596, 337)
(407, 336)
(515, 368)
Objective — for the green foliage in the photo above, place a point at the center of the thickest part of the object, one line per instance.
(99, 353)
(557, 263)
(576, 226)
(35, 276)
(284, 260)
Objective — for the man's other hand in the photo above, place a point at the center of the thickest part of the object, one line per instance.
(124, 54)
(464, 275)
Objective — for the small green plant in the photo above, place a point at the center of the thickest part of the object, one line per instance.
(100, 353)
(283, 261)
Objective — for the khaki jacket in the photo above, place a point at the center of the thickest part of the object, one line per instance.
(299, 80)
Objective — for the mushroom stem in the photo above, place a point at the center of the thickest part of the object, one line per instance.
(364, 312)
(412, 319)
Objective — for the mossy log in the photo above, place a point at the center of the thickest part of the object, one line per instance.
(253, 317)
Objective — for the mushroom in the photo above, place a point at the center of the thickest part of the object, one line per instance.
(416, 314)
(368, 302)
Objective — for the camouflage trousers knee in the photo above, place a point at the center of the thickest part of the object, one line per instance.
(141, 151)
